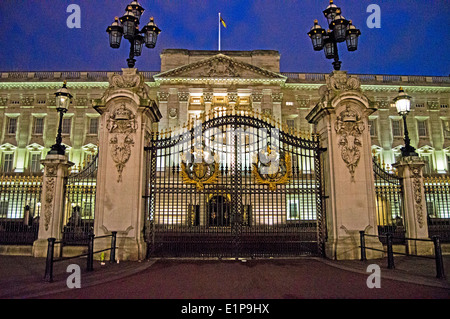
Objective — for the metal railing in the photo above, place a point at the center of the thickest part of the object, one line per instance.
(390, 251)
(48, 277)
(79, 205)
(389, 201)
(437, 195)
(20, 205)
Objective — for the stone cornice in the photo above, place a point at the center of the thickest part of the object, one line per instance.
(218, 81)
(51, 85)
(376, 88)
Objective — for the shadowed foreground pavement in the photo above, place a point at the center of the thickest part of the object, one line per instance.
(301, 278)
(253, 279)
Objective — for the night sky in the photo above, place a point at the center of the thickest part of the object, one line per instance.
(412, 39)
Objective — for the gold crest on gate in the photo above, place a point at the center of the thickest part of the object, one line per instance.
(199, 167)
(272, 168)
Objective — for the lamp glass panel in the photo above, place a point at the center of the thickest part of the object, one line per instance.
(329, 50)
(129, 28)
(115, 37)
(340, 31)
(403, 106)
(150, 39)
(352, 42)
(317, 41)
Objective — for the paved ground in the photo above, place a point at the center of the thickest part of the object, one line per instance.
(301, 278)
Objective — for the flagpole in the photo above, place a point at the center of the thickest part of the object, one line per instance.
(219, 31)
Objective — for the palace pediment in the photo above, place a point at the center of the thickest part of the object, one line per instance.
(220, 68)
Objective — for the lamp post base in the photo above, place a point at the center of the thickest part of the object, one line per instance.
(131, 63)
(58, 149)
(337, 65)
(408, 150)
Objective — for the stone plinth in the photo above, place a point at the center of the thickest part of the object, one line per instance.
(127, 114)
(410, 170)
(56, 169)
(341, 120)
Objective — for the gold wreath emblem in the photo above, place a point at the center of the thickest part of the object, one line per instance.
(279, 176)
(201, 173)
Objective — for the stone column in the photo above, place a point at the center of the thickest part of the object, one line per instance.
(56, 169)
(256, 101)
(207, 99)
(127, 115)
(232, 100)
(277, 98)
(163, 98)
(414, 203)
(341, 120)
(183, 98)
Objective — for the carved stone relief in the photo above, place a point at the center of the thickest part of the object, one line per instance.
(131, 80)
(122, 126)
(163, 96)
(220, 68)
(173, 113)
(50, 174)
(417, 189)
(349, 127)
(49, 195)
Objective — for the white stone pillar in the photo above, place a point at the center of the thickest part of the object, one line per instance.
(414, 203)
(256, 101)
(56, 169)
(163, 98)
(277, 99)
(183, 98)
(127, 115)
(207, 99)
(341, 120)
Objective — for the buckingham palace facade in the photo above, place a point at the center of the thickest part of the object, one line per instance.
(29, 121)
(143, 135)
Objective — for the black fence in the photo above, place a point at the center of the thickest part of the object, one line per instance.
(20, 206)
(437, 195)
(389, 202)
(90, 253)
(389, 239)
(79, 205)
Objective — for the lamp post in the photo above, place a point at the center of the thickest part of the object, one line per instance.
(128, 27)
(63, 98)
(403, 105)
(339, 30)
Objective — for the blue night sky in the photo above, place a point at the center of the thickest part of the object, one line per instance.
(411, 41)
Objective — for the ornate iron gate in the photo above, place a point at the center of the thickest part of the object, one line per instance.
(234, 185)
(79, 204)
(389, 203)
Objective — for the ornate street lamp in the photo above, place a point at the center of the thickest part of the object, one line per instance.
(403, 105)
(63, 98)
(339, 30)
(128, 27)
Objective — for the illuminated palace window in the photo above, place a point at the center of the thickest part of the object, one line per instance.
(397, 128)
(93, 126)
(35, 162)
(8, 162)
(301, 208)
(12, 126)
(38, 128)
(422, 128)
(66, 126)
